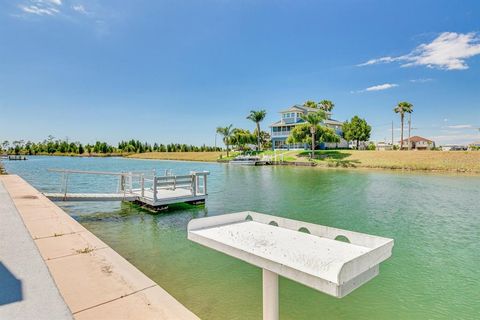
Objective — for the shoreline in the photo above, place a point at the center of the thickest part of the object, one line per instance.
(328, 164)
(463, 163)
(400, 170)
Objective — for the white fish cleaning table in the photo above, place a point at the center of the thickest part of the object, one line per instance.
(318, 257)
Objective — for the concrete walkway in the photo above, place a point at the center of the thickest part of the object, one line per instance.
(27, 290)
(95, 281)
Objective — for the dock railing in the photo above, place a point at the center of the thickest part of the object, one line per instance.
(137, 183)
(125, 179)
(196, 182)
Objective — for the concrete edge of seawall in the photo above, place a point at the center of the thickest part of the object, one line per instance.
(27, 289)
(93, 279)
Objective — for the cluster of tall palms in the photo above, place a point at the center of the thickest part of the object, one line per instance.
(241, 136)
(325, 105)
(402, 108)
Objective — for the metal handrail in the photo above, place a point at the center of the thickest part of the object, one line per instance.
(148, 181)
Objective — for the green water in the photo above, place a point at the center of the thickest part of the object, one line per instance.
(434, 219)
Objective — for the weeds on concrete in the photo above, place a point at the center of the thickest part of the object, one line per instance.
(85, 250)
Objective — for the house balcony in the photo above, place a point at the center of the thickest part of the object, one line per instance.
(280, 134)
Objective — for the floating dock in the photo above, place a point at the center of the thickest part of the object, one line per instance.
(147, 189)
(13, 157)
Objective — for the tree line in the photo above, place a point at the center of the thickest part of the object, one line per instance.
(63, 146)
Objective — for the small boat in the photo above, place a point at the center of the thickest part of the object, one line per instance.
(249, 161)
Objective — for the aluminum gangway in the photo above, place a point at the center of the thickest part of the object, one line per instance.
(146, 188)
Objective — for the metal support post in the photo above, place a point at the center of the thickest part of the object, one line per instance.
(154, 189)
(270, 295)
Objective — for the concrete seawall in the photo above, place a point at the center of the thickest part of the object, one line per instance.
(93, 279)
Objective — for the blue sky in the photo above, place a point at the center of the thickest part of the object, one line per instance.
(172, 71)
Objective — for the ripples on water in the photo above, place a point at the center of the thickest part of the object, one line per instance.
(434, 219)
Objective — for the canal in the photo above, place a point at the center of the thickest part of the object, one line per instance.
(434, 219)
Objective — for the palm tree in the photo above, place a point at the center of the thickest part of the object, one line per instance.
(313, 120)
(402, 108)
(326, 105)
(227, 133)
(310, 104)
(257, 117)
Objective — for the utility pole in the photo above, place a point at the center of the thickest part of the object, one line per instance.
(409, 129)
(392, 134)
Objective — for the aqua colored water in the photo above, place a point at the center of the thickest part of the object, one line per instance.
(435, 220)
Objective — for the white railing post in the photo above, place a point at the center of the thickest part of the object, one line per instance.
(205, 184)
(66, 187)
(154, 189)
(194, 184)
(197, 185)
(142, 183)
(62, 183)
(270, 295)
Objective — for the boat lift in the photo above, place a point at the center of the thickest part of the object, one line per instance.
(330, 260)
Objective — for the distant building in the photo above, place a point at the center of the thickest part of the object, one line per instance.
(453, 147)
(362, 145)
(290, 118)
(418, 143)
(382, 146)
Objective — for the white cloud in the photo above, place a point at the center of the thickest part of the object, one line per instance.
(380, 87)
(32, 9)
(56, 2)
(421, 80)
(455, 138)
(461, 126)
(376, 61)
(80, 8)
(449, 51)
(50, 8)
(41, 7)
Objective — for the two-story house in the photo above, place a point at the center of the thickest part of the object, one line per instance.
(290, 118)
